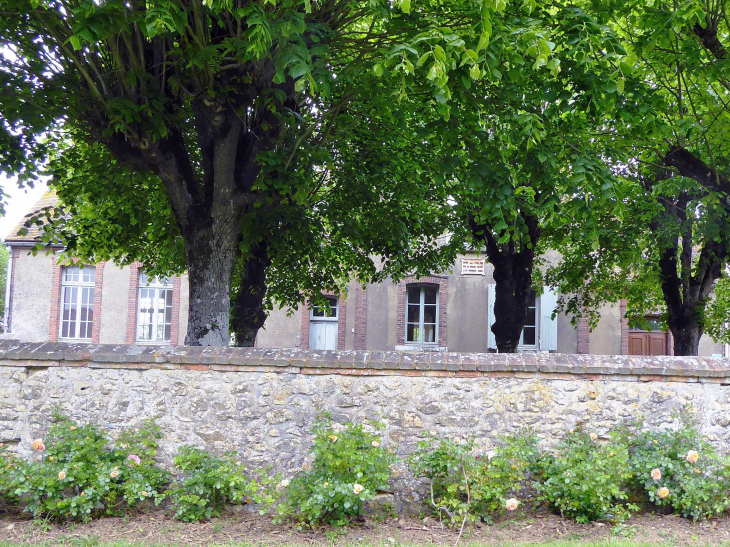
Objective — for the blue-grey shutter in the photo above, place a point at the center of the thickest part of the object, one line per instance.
(491, 342)
(548, 326)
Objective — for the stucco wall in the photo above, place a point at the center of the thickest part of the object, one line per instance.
(262, 402)
(31, 298)
(606, 337)
(467, 314)
(184, 296)
(114, 304)
(281, 330)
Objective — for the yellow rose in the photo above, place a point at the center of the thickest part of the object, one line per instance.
(663, 492)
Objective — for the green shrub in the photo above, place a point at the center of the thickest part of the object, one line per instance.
(8, 478)
(209, 483)
(449, 465)
(349, 467)
(464, 485)
(77, 476)
(585, 479)
(505, 475)
(679, 469)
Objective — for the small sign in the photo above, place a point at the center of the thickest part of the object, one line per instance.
(473, 266)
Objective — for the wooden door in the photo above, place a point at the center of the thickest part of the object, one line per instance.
(648, 343)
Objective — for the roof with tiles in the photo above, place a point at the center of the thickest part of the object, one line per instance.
(34, 231)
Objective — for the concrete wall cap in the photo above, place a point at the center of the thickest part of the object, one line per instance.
(66, 354)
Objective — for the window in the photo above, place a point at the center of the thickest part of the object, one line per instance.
(77, 302)
(154, 323)
(529, 332)
(422, 314)
(323, 325)
(319, 313)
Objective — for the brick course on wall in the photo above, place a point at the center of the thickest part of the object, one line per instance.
(55, 319)
(98, 284)
(361, 317)
(262, 403)
(15, 254)
(584, 336)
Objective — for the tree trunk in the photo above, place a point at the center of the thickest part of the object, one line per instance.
(513, 265)
(687, 336)
(248, 309)
(211, 256)
(513, 277)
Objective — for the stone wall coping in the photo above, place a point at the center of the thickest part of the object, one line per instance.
(624, 367)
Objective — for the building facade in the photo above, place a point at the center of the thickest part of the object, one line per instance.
(453, 310)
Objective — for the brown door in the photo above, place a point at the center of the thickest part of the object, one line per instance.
(648, 343)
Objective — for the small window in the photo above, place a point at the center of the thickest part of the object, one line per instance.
(321, 313)
(529, 332)
(154, 322)
(77, 302)
(422, 314)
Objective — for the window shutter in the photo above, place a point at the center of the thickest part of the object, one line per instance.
(548, 326)
(491, 342)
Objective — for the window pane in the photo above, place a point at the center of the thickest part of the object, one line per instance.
(412, 333)
(88, 274)
(320, 311)
(429, 333)
(414, 313)
(528, 336)
(71, 273)
(146, 280)
(430, 295)
(414, 295)
(429, 314)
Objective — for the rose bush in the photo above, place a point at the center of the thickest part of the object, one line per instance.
(350, 466)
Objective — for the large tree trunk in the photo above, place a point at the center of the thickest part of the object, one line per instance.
(211, 257)
(513, 265)
(513, 276)
(687, 338)
(248, 309)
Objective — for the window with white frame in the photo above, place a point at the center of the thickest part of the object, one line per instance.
(422, 314)
(154, 321)
(324, 324)
(77, 302)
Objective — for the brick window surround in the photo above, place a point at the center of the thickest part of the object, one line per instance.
(15, 254)
(133, 311)
(56, 286)
(584, 336)
(341, 326)
(442, 283)
(361, 317)
(625, 333)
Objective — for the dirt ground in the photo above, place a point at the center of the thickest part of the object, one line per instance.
(158, 528)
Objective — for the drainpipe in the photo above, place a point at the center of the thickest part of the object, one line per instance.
(8, 277)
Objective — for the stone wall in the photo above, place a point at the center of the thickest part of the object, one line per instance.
(262, 402)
